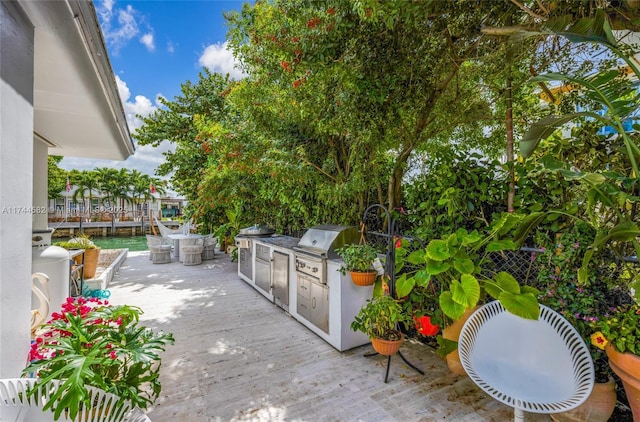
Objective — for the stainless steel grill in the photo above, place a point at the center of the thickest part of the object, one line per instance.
(323, 240)
(317, 245)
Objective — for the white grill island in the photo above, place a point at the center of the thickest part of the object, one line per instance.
(308, 286)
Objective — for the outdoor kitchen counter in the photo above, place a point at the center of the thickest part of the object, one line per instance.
(279, 241)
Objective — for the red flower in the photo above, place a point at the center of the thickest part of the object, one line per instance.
(399, 243)
(331, 11)
(286, 66)
(312, 23)
(425, 327)
(297, 83)
(113, 355)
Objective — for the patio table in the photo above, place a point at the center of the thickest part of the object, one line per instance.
(177, 237)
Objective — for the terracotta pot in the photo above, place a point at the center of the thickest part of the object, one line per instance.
(386, 347)
(363, 278)
(425, 327)
(91, 262)
(598, 407)
(627, 367)
(452, 332)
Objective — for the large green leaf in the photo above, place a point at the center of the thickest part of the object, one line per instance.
(625, 232)
(467, 291)
(502, 282)
(471, 238)
(416, 257)
(449, 307)
(422, 278)
(529, 223)
(438, 250)
(437, 267)
(464, 266)
(544, 128)
(404, 285)
(524, 305)
(501, 245)
(445, 346)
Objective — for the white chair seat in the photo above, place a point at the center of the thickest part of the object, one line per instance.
(539, 366)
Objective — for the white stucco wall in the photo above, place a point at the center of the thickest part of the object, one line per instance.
(16, 186)
(40, 185)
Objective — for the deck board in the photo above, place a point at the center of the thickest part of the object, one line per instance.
(238, 357)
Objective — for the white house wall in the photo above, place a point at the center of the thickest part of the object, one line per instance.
(16, 186)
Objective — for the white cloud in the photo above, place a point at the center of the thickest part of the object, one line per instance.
(119, 26)
(147, 40)
(218, 58)
(171, 47)
(140, 106)
(146, 158)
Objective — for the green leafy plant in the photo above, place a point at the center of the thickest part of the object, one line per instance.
(81, 241)
(621, 329)
(462, 267)
(92, 343)
(357, 257)
(583, 305)
(612, 197)
(381, 318)
(612, 193)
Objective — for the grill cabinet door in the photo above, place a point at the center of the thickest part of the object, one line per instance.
(281, 277)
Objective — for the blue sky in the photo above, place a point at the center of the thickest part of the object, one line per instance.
(154, 46)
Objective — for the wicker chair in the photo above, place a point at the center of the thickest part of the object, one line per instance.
(191, 251)
(209, 247)
(159, 249)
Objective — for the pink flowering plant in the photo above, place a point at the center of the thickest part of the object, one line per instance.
(584, 304)
(93, 343)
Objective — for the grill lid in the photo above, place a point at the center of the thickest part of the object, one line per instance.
(257, 230)
(324, 239)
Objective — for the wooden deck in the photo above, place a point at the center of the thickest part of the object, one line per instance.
(238, 357)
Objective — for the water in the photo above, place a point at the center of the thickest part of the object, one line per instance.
(137, 243)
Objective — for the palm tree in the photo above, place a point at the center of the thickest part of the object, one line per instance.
(87, 184)
(122, 189)
(140, 188)
(106, 181)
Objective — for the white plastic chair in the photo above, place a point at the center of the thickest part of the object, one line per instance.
(538, 366)
(16, 406)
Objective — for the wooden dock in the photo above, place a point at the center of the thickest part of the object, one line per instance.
(107, 228)
(238, 357)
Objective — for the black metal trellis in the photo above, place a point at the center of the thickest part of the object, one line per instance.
(383, 232)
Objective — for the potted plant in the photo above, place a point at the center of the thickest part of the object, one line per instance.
(619, 336)
(358, 261)
(91, 253)
(92, 343)
(380, 319)
(583, 305)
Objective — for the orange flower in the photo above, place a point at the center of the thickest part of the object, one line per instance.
(598, 340)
